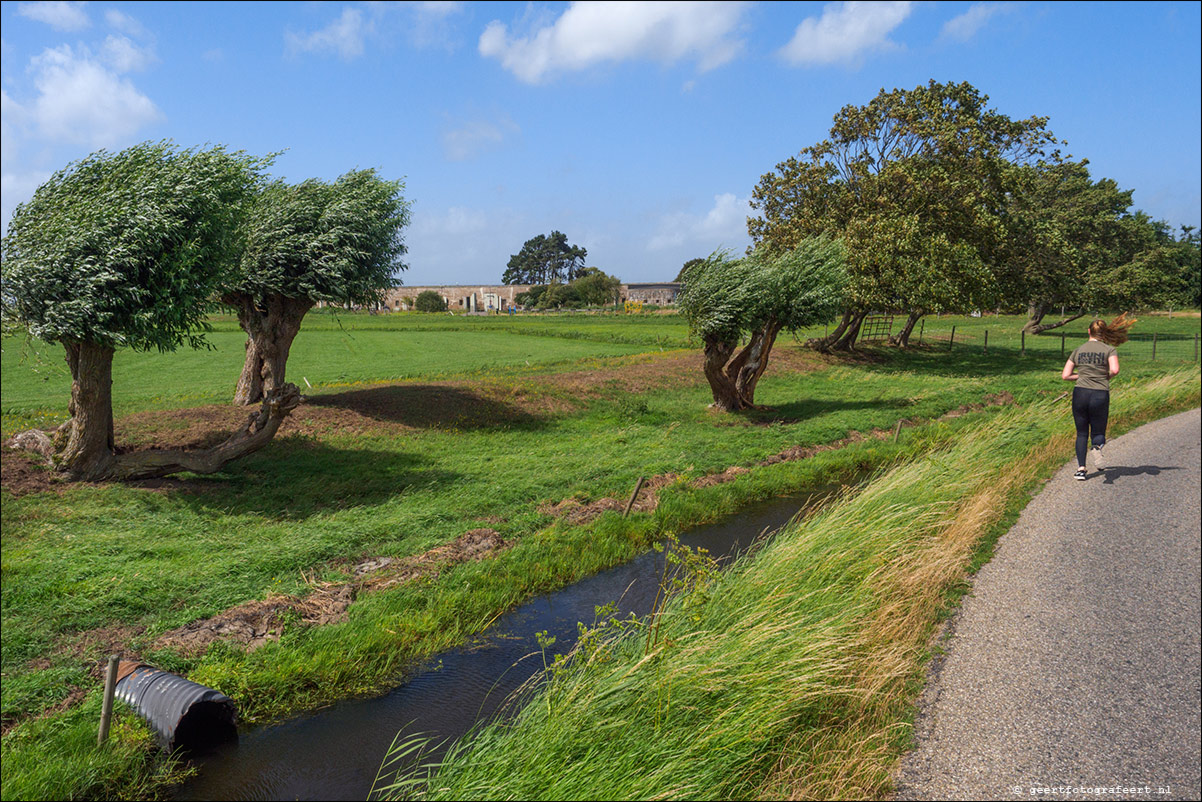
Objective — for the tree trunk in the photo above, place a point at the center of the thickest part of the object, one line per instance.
(752, 361)
(84, 446)
(88, 455)
(733, 381)
(1066, 319)
(823, 344)
(270, 330)
(717, 354)
(848, 340)
(258, 431)
(1035, 313)
(902, 338)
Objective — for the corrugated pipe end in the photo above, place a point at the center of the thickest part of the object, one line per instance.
(184, 715)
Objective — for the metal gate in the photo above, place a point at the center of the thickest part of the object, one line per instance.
(876, 328)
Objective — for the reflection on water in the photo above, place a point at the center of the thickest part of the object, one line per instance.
(334, 753)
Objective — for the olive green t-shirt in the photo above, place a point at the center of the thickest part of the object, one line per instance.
(1093, 365)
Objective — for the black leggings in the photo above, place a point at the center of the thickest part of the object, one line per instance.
(1091, 408)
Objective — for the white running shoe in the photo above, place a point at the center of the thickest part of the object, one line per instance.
(1099, 459)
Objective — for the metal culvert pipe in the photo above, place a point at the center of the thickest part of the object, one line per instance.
(183, 714)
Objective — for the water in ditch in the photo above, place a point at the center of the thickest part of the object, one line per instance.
(335, 753)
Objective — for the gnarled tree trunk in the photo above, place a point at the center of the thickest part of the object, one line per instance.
(83, 447)
(902, 338)
(847, 341)
(733, 381)
(258, 431)
(823, 344)
(270, 329)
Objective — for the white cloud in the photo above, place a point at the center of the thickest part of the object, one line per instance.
(125, 56)
(344, 36)
(80, 100)
(62, 16)
(845, 32)
(724, 225)
(587, 34)
(125, 24)
(965, 26)
(477, 136)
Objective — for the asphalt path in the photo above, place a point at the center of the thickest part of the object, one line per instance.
(1073, 669)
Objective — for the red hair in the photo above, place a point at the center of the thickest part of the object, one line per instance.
(1113, 333)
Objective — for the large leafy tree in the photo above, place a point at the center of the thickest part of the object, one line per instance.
(915, 184)
(1066, 232)
(127, 250)
(727, 300)
(545, 259)
(338, 242)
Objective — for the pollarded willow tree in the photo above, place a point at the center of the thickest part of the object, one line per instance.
(128, 250)
(337, 242)
(756, 297)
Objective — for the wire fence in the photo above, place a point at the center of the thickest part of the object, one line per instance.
(1174, 348)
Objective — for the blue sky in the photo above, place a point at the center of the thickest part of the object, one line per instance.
(638, 129)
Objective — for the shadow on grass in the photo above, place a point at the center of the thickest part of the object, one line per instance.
(296, 477)
(962, 361)
(430, 406)
(809, 408)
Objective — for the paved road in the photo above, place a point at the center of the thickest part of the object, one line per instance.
(1074, 669)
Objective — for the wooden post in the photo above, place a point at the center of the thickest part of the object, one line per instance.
(637, 487)
(986, 349)
(921, 325)
(897, 429)
(951, 340)
(1023, 351)
(1153, 346)
(1061, 345)
(106, 706)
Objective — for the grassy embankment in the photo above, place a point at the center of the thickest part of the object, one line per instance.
(794, 674)
(490, 418)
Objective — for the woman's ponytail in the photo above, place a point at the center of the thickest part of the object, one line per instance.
(1113, 333)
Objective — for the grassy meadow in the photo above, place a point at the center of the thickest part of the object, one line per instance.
(419, 428)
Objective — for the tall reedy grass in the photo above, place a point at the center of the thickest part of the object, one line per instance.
(796, 674)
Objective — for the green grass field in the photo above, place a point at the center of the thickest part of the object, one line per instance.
(483, 420)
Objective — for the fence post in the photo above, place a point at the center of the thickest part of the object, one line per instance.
(1153, 346)
(985, 350)
(951, 340)
(1023, 350)
(106, 705)
(1061, 345)
(921, 325)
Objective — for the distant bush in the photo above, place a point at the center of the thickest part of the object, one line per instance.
(430, 301)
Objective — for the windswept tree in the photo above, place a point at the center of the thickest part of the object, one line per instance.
(545, 259)
(726, 300)
(127, 250)
(915, 185)
(337, 242)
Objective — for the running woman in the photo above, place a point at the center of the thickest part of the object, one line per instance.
(1092, 365)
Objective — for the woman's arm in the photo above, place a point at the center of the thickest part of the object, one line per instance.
(1114, 365)
(1069, 372)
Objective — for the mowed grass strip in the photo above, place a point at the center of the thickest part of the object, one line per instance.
(793, 675)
